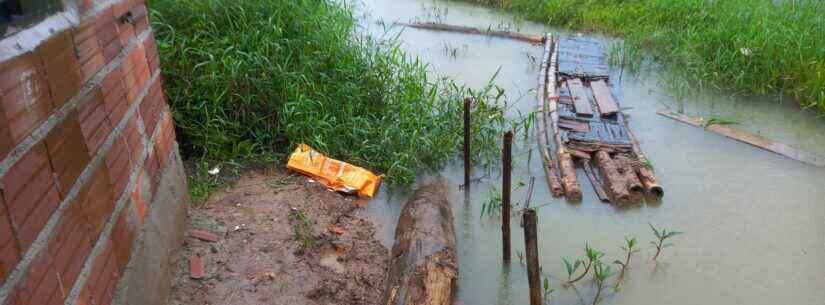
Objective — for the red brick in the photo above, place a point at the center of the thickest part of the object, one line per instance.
(15, 70)
(114, 96)
(109, 276)
(9, 256)
(126, 32)
(9, 251)
(61, 67)
(30, 194)
(68, 152)
(98, 201)
(96, 282)
(70, 245)
(42, 280)
(134, 140)
(94, 122)
(165, 138)
(26, 103)
(112, 49)
(138, 198)
(6, 230)
(118, 165)
(6, 142)
(196, 266)
(88, 50)
(105, 26)
(122, 238)
(150, 108)
(203, 235)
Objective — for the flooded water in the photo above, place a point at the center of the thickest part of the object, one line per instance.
(753, 220)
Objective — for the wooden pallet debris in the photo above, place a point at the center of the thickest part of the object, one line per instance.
(587, 125)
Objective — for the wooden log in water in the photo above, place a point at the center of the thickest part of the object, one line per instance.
(534, 39)
(424, 265)
(531, 250)
(615, 180)
(750, 138)
(634, 183)
(644, 172)
(572, 188)
(549, 166)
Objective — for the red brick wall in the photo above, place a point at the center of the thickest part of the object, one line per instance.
(83, 119)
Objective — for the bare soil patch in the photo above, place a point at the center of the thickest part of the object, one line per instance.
(282, 239)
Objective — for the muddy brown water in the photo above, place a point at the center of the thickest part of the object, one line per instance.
(753, 220)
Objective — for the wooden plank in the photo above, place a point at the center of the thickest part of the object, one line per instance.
(604, 98)
(750, 138)
(534, 39)
(580, 101)
(574, 125)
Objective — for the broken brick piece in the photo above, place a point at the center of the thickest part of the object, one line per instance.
(336, 229)
(203, 235)
(196, 266)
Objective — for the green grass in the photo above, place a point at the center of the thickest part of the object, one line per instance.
(757, 46)
(251, 79)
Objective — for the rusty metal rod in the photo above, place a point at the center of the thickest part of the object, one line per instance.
(467, 107)
(507, 162)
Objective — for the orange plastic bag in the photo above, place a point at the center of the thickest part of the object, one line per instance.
(337, 175)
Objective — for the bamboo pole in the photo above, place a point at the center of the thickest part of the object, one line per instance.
(549, 166)
(534, 39)
(572, 189)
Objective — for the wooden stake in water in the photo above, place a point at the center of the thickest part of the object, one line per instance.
(531, 250)
(467, 104)
(507, 162)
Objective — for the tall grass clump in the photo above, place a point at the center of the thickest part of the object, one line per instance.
(759, 46)
(256, 77)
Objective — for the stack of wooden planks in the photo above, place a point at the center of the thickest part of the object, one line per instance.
(579, 116)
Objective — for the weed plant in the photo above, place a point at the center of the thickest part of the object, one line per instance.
(254, 78)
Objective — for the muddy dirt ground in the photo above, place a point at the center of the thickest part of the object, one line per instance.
(282, 239)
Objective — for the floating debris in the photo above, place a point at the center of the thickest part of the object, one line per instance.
(587, 126)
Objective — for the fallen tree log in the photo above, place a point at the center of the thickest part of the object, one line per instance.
(534, 39)
(424, 265)
(749, 138)
(616, 181)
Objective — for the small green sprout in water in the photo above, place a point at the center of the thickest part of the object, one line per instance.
(547, 290)
(571, 268)
(601, 272)
(629, 248)
(661, 236)
(593, 256)
(717, 121)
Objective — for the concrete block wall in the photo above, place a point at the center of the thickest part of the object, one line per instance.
(90, 178)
